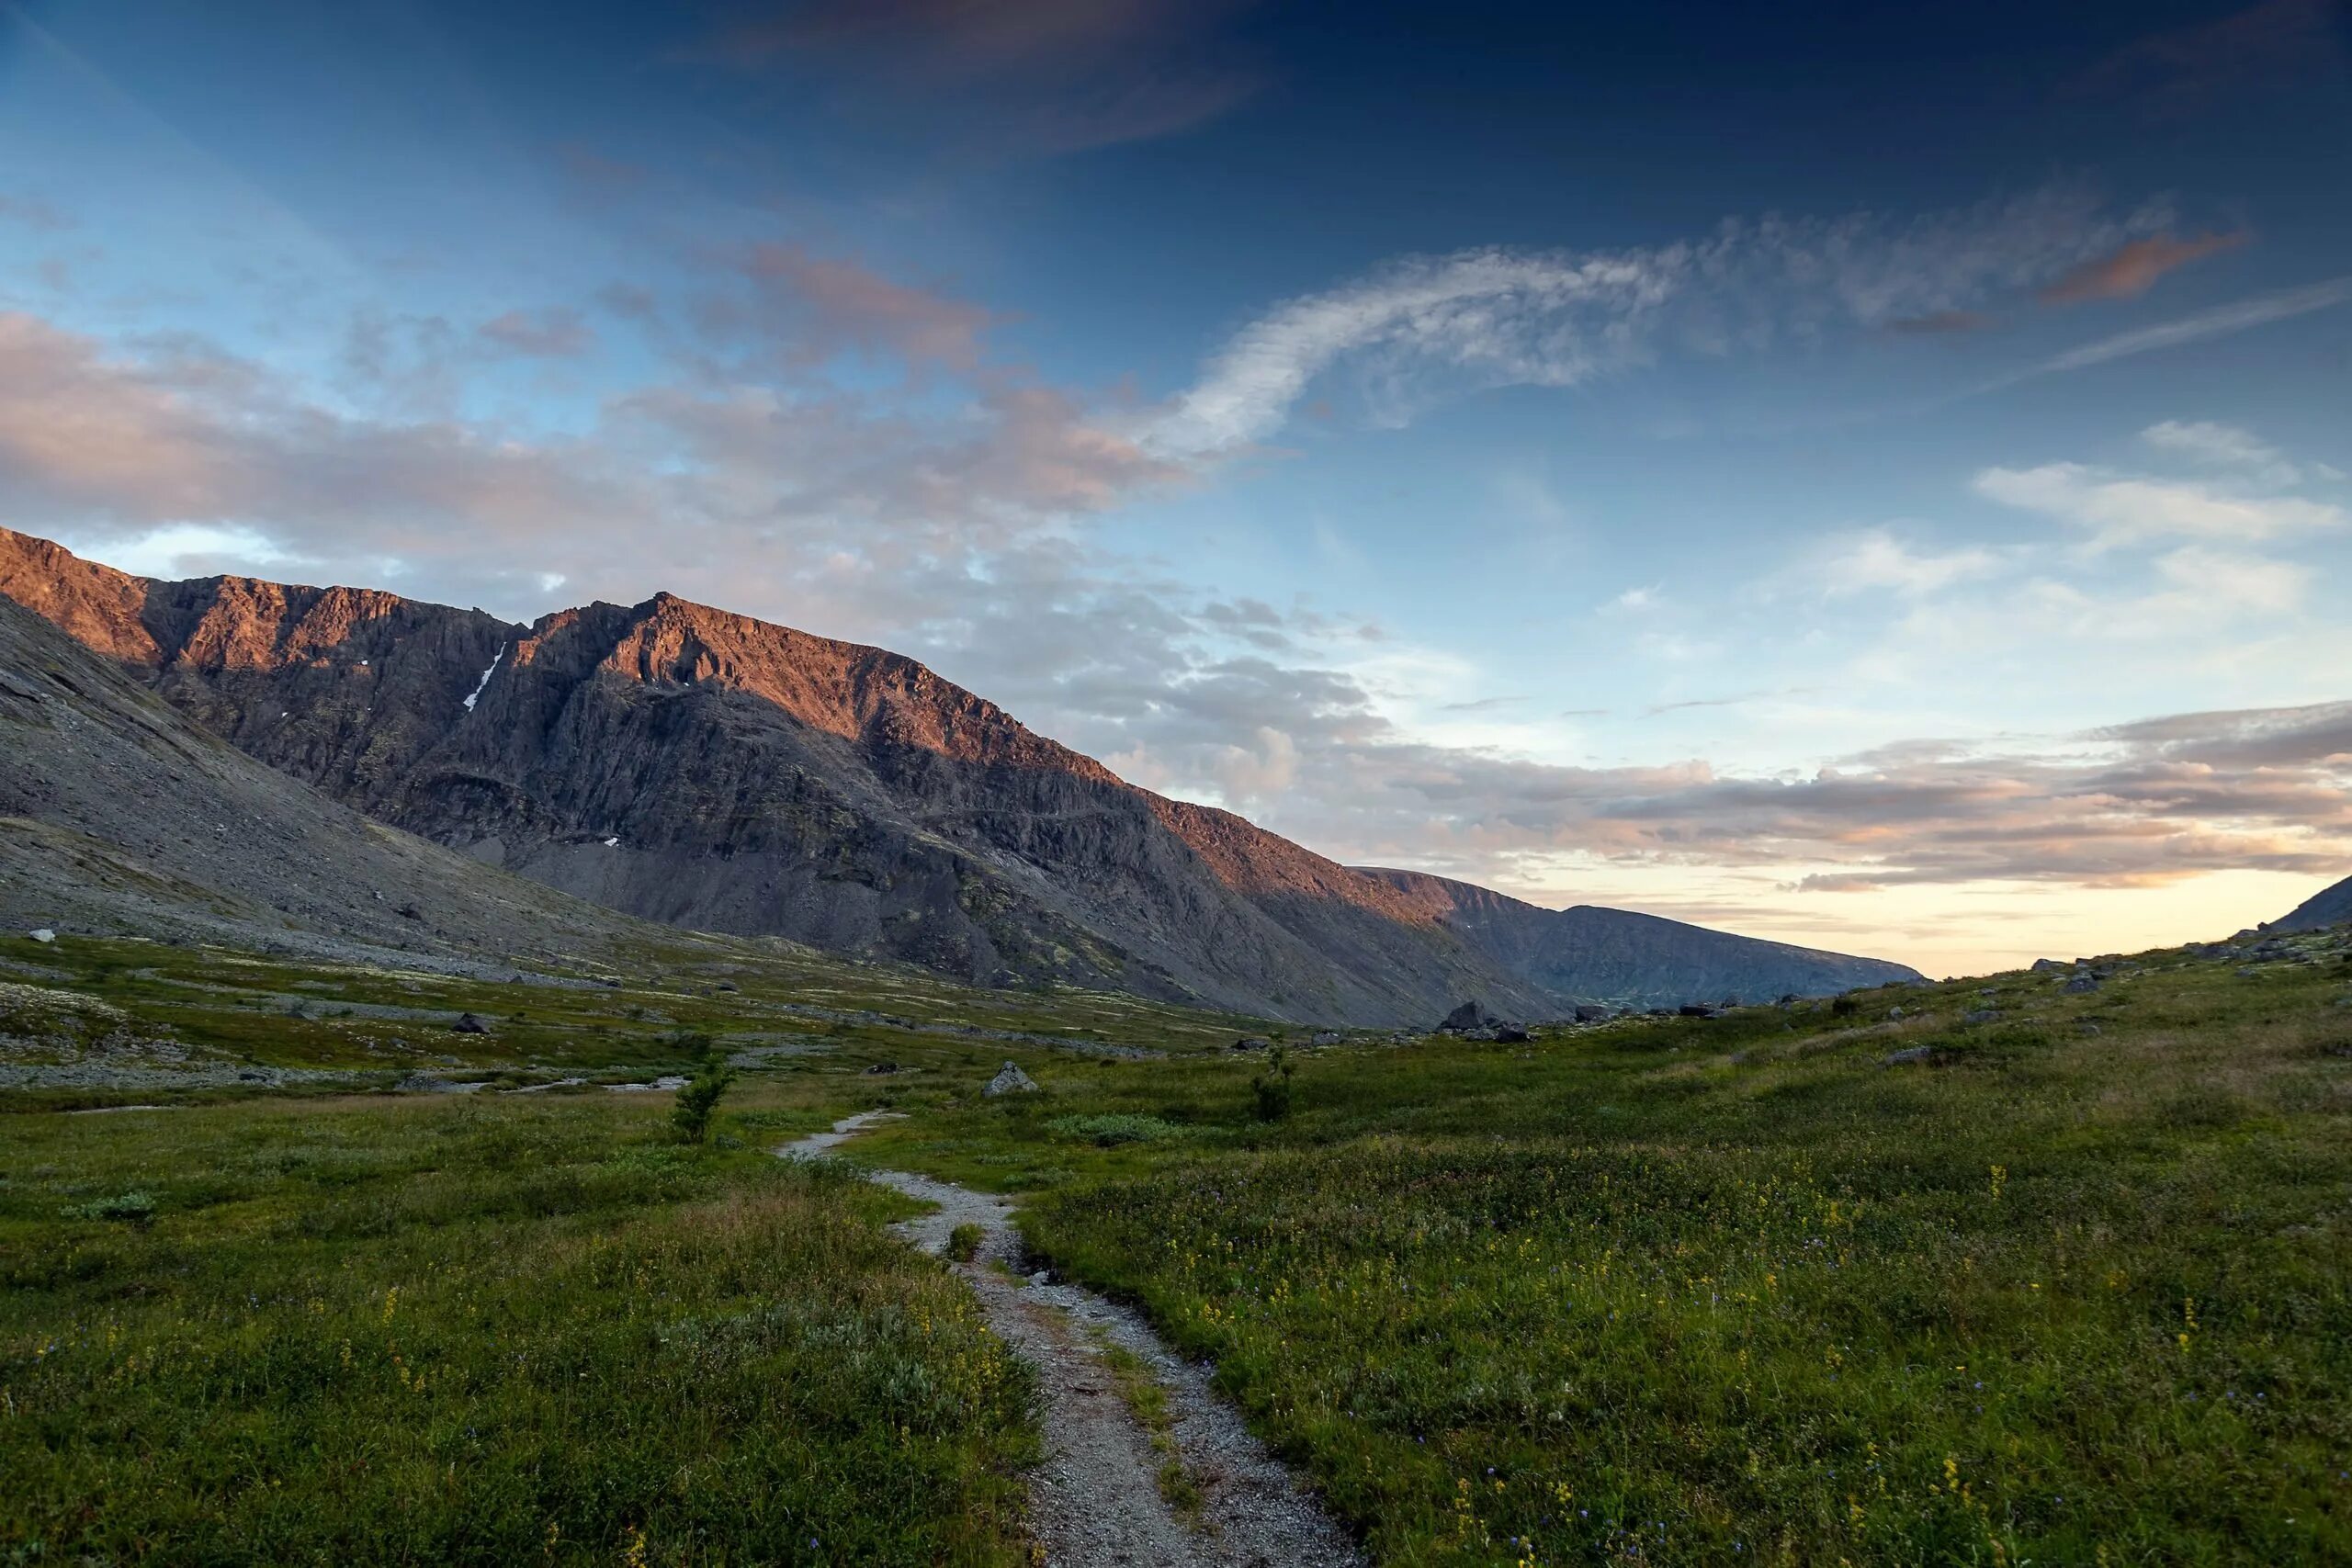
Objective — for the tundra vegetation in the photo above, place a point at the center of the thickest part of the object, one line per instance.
(2026, 1273)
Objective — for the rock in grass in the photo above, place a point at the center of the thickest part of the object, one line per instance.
(2081, 985)
(1011, 1079)
(469, 1024)
(42, 935)
(1981, 1015)
(1250, 1043)
(1909, 1056)
(1468, 1016)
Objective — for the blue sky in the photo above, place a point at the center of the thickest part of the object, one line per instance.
(1875, 477)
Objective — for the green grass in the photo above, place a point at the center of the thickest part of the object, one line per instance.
(378, 1331)
(1725, 1291)
(2077, 1288)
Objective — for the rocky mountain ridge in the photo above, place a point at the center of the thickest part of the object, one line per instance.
(692, 766)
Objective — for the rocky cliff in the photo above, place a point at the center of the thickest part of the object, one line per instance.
(118, 814)
(701, 768)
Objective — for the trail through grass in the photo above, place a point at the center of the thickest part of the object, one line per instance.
(2070, 1283)
(535, 1330)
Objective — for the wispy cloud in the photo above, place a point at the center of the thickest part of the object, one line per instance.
(2116, 510)
(1879, 560)
(2207, 441)
(2216, 446)
(1034, 75)
(556, 333)
(2217, 322)
(34, 212)
(2187, 70)
(1425, 328)
(802, 309)
(2133, 268)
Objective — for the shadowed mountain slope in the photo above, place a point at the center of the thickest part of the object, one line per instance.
(1612, 955)
(2329, 906)
(711, 770)
(118, 815)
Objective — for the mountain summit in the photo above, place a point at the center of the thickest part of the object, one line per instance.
(689, 765)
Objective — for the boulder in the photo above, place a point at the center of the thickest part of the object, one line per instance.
(2044, 965)
(2080, 985)
(1011, 1079)
(1250, 1042)
(1593, 1015)
(469, 1024)
(42, 935)
(1981, 1015)
(1469, 1015)
(1909, 1056)
(1510, 1034)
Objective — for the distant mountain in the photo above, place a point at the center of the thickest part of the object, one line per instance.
(1611, 955)
(2329, 906)
(704, 769)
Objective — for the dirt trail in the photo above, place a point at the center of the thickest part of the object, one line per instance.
(1096, 1499)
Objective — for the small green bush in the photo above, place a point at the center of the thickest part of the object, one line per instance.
(964, 1242)
(1110, 1130)
(691, 1115)
(1273, 1086)
(134, 1208)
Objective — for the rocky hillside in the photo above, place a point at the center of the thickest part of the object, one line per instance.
(118, 814)
(1611, 955)
(2329, 906)
(708, 770)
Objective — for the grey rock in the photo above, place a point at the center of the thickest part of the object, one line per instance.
(42, 935)
(469, 1024)
(1468, 1016)
(1251, 1043)
(1011, 1079)
(1981, 1015)
(1909, 1056)
(2081, 985)
(2043, 965)
(1510, 1034)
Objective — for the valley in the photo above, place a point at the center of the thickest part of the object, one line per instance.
(1898, 1273)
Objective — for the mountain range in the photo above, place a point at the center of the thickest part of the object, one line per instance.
(686, 766)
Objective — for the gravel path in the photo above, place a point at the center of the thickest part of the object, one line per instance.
(1096, 1499)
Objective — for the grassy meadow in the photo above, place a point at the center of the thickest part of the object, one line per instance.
(458, 1330)
(2076, 1287)
(1988, 1272)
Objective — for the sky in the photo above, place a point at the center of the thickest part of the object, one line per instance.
(1866, 476)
